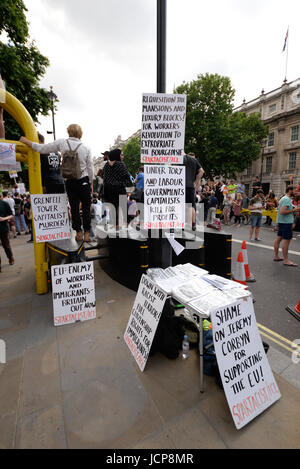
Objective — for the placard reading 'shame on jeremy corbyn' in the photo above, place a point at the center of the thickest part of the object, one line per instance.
(50, 217)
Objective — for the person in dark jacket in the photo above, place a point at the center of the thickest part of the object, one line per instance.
(52, 179)
(115, 179)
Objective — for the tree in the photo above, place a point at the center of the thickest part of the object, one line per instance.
(21, 65)
(224, 141)
(132, 155)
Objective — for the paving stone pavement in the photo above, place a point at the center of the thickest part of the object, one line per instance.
(77, 386)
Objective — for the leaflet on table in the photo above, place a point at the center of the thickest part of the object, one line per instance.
(238, 293)
(192, 269)
(221, 283)
(207, 302)
(191, 290)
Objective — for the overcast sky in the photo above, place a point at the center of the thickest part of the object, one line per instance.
(103, 54)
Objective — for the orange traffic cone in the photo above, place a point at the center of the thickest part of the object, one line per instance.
(295, 311)
(249, 276)
(240, 275)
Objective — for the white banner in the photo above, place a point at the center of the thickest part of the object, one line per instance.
(247, 378)
(163, 128)
(73, 293)
(7, 154)
(144, 319)
(50, 216)
(164, 197)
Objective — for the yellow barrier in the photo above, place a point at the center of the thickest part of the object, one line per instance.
(266, 213)
(26, 155)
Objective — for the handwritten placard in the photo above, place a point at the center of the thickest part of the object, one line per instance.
(164, 197)
(144, 319)
(163, 128)
(247, 378)
(50, 215)
(73, 293)
(7, 154)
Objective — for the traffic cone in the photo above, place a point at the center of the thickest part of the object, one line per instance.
(249, 276)
(295, 311)
(240, 275)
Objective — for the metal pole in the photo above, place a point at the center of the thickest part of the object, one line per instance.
(166, 249)
(53, 122)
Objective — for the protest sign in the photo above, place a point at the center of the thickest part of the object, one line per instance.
(164, 197)
(50, 216)
(12, 174)
(21, 188)
(11, 167)
(144, 319)
(73, 293)
(7, 154)
(163, 128)
(247, 378)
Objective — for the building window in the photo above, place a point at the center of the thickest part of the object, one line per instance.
(271, 139)
(295, 133)
(272, 108)
(269, 164)
(292, 161)
(249, 171)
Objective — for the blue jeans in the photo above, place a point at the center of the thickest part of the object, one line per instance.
(20, 220)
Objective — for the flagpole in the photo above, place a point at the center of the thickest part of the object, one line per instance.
(287, 54)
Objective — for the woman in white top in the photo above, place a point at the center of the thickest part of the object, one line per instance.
(79, 190)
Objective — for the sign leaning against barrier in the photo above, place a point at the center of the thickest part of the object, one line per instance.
(73, 293)
(144, 319)
(246, 375)
(50, 216)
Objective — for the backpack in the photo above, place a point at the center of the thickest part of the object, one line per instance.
(70, 167)
(18, 207)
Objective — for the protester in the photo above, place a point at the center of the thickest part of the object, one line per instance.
(285, 220)
(256, 207)
(245, 201)
(28, 217)
(237, 207)
(139, 184)
(271, 204)
(240, 188)
(227, 209)
(193, 176)
(115, 178)
(219, 194)
(52, 179)
(232, 188)
(256, 185)
(10, 201)
(96, 214)
(79, 187)
(212, 208)
(19, 215)
(204, 199)
(5, 217)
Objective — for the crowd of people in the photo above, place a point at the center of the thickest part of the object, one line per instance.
(67, 166)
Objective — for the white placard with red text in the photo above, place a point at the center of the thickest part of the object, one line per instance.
(50, 217)
(246, 375)
(163, 128)
(73, 293)
(144, 319)
(164, 197)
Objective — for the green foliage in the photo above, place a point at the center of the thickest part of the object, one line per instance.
(225, 142)
(13, 20)
(132, 155)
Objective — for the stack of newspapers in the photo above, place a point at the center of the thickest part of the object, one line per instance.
(196, 289)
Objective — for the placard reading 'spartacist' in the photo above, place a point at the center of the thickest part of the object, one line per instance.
(50, 216)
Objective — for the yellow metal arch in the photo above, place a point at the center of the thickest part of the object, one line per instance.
(26, 155)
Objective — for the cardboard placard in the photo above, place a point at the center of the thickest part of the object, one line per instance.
(50, 216)
(7, 154)
(73, 293)
(247, 378)
(144, 319)
(164, 197)
(163, 128)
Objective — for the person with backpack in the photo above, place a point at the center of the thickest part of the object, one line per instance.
(78, 172)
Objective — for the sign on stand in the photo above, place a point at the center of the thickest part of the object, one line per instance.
(247, 378)
(163, 128)
(144, 319)
(73, 293)
(50, 215)
(164, 197)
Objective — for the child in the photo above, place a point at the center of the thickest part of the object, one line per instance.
(237, 207)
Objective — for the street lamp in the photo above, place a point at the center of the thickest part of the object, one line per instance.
(263, 146)
(52, 96)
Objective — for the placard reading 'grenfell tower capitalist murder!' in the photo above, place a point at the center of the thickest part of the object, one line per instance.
(73, 292)
(144, 319)
(163, 128)
(164, 197)
(50, 216)
(247, 378)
